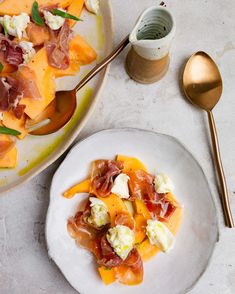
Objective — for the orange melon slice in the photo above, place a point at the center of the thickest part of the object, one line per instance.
(75, 8)
(45, 81)
(13, 7)
(9, 160)
(131, 163)
(115, 206)
(83, 187)
(107, 275)
(10, 121)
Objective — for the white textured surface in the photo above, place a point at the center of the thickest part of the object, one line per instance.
(201, 25)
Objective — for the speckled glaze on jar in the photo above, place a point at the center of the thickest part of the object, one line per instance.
(148, 59)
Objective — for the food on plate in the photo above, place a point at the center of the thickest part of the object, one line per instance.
(129, 216)
(37, 45)
(92, 6)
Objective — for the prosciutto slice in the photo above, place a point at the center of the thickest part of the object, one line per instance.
(13, 53)
(125, 219)
(108, 257)
(86, 235)
(131, 271)
(11, 95)
(102, 176)
(27, 82)
(58, 47)
(142, 187)
(92, 239)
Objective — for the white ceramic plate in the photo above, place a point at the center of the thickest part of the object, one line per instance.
(35, 153)
(175, 272)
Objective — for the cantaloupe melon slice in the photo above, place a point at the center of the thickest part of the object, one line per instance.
(80, 53)
(82, 187)
(142, 209)
(9, 160)
(115, 206)
(107, 275)
(75, 8)
(14, 7)
(45, 81)
(72, 70)
(140, 225)
(38, 35)
(10, 121)
(131, 163)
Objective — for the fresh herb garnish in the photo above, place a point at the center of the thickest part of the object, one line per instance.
(8, 131)
(1, 67)
(65, 14)
(36, 14)
(5, 29)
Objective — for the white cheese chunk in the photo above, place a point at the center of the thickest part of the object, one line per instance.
(120, 186)
(160, 235)
(99, 213)
(93, 6)
(15, 25)
(163, 183)
(28, 50)
(54, 22)
(121, 238)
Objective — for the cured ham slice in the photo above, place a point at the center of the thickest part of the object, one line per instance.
(27, 82)
(58, 47)
(13, 53)
(11, 95)
(125, 219)
(142, 187)
(131, 271)
(92, 239)
(102, 176)
(108, 257)
(85, 235)
(19, 110)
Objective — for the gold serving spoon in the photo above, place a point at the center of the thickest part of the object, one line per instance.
(61, 109)
(202, 85)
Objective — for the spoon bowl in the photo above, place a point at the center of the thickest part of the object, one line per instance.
(56, 115)
(202, 81)
(202, 85)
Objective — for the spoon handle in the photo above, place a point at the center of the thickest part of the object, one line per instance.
(103, 64)
(220, 171)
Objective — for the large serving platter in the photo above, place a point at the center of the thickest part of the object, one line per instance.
(35, 153)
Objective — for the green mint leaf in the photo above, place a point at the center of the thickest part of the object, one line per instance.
(8, 131)
(1, 67)
(65, 14)
(36, 15)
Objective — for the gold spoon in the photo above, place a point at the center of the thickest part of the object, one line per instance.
(202, 85)
(65, 102)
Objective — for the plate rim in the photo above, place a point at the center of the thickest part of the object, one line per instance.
(129, 129)
(63, 147)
